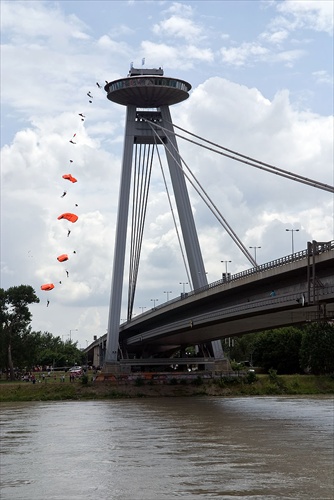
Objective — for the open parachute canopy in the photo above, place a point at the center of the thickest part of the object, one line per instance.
(47, 286)
(69, 177)
(68, 216)
(63, 257)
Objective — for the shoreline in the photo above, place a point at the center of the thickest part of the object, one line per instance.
(296, 385)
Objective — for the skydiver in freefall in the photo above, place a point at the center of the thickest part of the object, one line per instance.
(47, 303)
(66, 273)
(72, 142)
(89, 95)
(64, 194)
(97, 83)
(68, 232)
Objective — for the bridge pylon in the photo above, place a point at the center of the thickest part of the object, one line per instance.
(147, 95)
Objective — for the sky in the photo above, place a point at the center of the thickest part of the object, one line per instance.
(262, 85)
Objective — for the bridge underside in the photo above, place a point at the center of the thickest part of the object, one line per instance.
(201, 330)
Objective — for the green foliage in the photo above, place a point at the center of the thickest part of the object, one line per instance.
(15, 319)
(273, 377)
(251, 377)
(242, 348)
(197, 381)
(278, 349)
(23, 348)
(317, 348)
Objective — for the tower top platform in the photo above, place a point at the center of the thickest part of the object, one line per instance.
(147, 88)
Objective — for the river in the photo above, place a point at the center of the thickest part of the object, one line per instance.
(264, 448)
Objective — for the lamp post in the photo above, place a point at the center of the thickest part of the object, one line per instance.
(154, 301)
(226, 262)
(142, 309)
(168, 295)
(184, 284)
(255, 248)
(292, 231)
(73, 330)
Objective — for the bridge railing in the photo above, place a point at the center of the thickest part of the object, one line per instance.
(282, 261)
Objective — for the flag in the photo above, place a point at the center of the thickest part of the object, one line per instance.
(143, 61)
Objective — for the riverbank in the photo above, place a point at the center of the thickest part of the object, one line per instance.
(264, 385)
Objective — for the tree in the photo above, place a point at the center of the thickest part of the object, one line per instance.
(279, 349)
(15, 319)
(317, 348)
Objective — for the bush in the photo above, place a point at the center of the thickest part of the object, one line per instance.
(197, 381)
(251, 377)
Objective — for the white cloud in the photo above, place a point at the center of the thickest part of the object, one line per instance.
(323, 77)
(316, 15)
(178, 27)
(175, 57)
(246, 54)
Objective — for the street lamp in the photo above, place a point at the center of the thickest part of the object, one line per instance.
(184, 284)
(254, 248)
(154, 301)
(142, 309)
(226, 262)
(292, 231)
(74, 330)
(168, 295)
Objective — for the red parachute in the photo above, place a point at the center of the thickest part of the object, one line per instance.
(68, 216)
(69, 178)
(63, 257)
(47, 286)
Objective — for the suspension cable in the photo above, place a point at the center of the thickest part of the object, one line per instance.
(251, 161)
(141, 183)
(207, 200)
(174, 219)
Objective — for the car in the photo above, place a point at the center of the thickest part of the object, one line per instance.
(75, 370)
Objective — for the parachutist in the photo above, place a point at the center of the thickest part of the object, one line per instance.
(72, 142)
(90, 101)
(64, 194)
(47, 303)
(74, 251)
(59, 282)
(97, 83)
(66, 273)
(68, 232)
(76, 205)
(89, 95)
(82, 115)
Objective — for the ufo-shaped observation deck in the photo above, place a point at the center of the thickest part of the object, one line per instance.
(146, 90)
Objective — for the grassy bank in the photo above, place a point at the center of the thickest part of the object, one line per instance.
(264, 385)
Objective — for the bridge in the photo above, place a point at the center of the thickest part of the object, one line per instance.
(291, 290)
